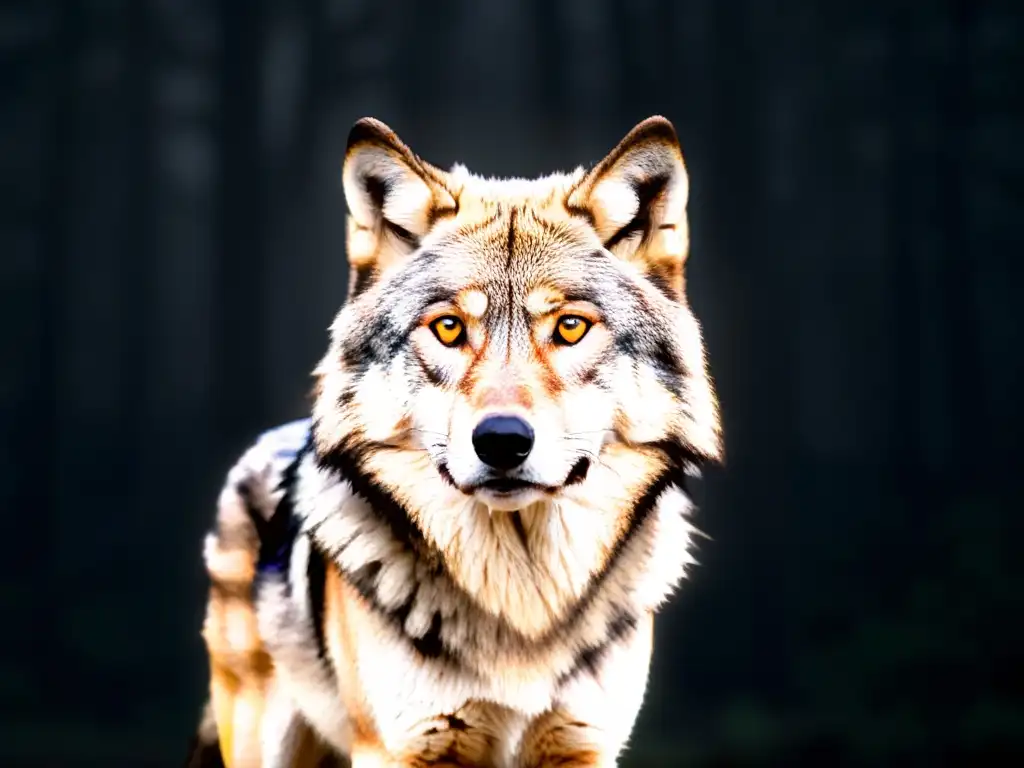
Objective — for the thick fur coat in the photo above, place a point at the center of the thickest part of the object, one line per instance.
(457, 559)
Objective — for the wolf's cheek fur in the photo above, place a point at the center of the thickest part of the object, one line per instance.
(432, 411)
(646, 410)
(381, 400)
(438, 365)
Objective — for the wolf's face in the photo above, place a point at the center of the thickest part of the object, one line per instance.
(512, 343)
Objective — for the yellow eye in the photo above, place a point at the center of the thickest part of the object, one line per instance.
(571, 329)
(449, 330)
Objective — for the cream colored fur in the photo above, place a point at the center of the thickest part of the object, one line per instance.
(450, 625)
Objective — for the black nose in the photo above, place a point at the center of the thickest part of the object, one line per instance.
(503, 442)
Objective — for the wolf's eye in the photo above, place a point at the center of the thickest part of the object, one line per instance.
(571, 329)
(449, 330)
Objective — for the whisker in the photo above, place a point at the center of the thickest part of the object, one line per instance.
(397, 446)
(596, 458)
(428, 432)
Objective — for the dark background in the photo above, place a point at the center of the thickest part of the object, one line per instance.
(172, 253)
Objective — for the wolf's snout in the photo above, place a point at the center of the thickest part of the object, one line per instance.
(503, 442)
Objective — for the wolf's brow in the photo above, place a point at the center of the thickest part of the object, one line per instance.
(585, 294)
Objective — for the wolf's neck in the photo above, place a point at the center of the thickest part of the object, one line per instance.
(604, 542)
(527, 567)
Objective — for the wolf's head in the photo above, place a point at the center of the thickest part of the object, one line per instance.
(515, 343)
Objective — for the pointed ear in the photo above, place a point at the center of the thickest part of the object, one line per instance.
(636, 199)
(393, 200)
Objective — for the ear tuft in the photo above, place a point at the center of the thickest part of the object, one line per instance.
(636, 200)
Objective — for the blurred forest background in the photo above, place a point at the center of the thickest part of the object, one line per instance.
(172, 253)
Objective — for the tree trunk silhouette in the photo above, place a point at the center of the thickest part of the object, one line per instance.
(136, 250)
(545, 18)
(966, 403)
(906, 367)
(42, 500)
(315, 84)
(728, 171)
(239, 289)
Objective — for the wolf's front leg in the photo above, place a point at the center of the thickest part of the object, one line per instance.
(595, 711)
(557, 738)
(287, 740)
(475, 735)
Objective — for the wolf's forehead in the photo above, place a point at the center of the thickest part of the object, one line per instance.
(518, 244)
(538, 277)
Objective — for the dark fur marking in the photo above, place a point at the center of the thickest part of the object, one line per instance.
(411, 241)
(362, 277)
(601, 283)
(647, 191)
(442, 469)
(380, 342)
(659, 353)
(457, 723)
(583, 213)
(468, 230)
(276, 535)
(278, 540)
(437, 212)
(510, 240)
(395, 517)
(365, 132)
(517, 526)
(663, 283)
(401, 613)
(627, 286)
(679, 457)
(670, 370)
(316, 577)
(348, 464)
(579, 471)
(430, 373)
(416, 264)
(381, 339)
(364, 579)
(510, 307)
(588, 376)
(665, 356)
(589, 659)
(431, 645)
(378, 190)
(345, 461)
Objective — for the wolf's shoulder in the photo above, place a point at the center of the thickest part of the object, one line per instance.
(252, 491)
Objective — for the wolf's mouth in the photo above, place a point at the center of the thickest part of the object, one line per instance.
(506, 485)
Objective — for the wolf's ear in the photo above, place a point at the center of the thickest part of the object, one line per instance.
(393, 199)
(636, 199)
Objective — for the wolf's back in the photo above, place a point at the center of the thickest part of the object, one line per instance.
(243, 536)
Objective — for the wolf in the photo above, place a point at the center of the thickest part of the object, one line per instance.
(456, 559)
